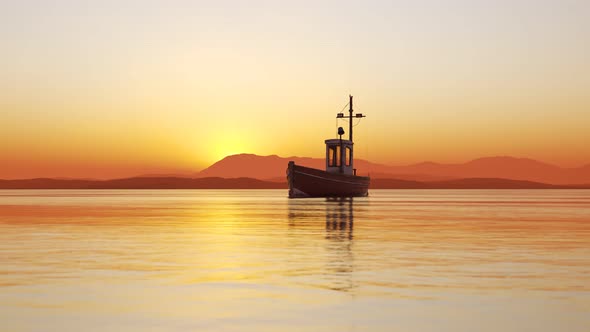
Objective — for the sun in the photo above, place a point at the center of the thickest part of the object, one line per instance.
(226, 145)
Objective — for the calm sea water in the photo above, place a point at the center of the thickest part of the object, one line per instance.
(215, 260)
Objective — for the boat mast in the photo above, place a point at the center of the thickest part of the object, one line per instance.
(350, 119)
(350, 116)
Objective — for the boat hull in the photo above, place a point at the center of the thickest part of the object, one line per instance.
(312, 182)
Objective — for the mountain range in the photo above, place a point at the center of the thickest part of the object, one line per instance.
(273, 168)
(249, 171)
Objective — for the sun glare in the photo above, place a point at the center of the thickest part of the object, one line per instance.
(226, 145)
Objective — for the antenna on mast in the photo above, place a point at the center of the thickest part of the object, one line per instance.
(350, 116)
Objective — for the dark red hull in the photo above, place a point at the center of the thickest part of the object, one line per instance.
(311, 182)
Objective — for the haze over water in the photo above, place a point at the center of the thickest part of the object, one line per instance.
(253, 260)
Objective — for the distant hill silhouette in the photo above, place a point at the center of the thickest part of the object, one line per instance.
(470, 183)
(254, 166)
(143, 183)
(273, 168)
(249, 171)
(249, 183)
(502, 167)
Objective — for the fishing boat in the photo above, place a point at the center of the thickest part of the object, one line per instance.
(339, 179)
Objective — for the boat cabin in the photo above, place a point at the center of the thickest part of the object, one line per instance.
(339, 156)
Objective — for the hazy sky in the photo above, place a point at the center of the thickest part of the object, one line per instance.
(116, 88)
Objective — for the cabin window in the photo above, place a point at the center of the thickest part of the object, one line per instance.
(348, 156)
(334, 155)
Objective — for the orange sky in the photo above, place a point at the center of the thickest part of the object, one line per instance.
(124, 88)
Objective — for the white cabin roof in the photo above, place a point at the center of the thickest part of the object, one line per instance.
(336, 141)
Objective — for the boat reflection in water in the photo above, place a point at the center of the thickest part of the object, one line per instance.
(339, 236)
(334, 242)
(339, 218)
